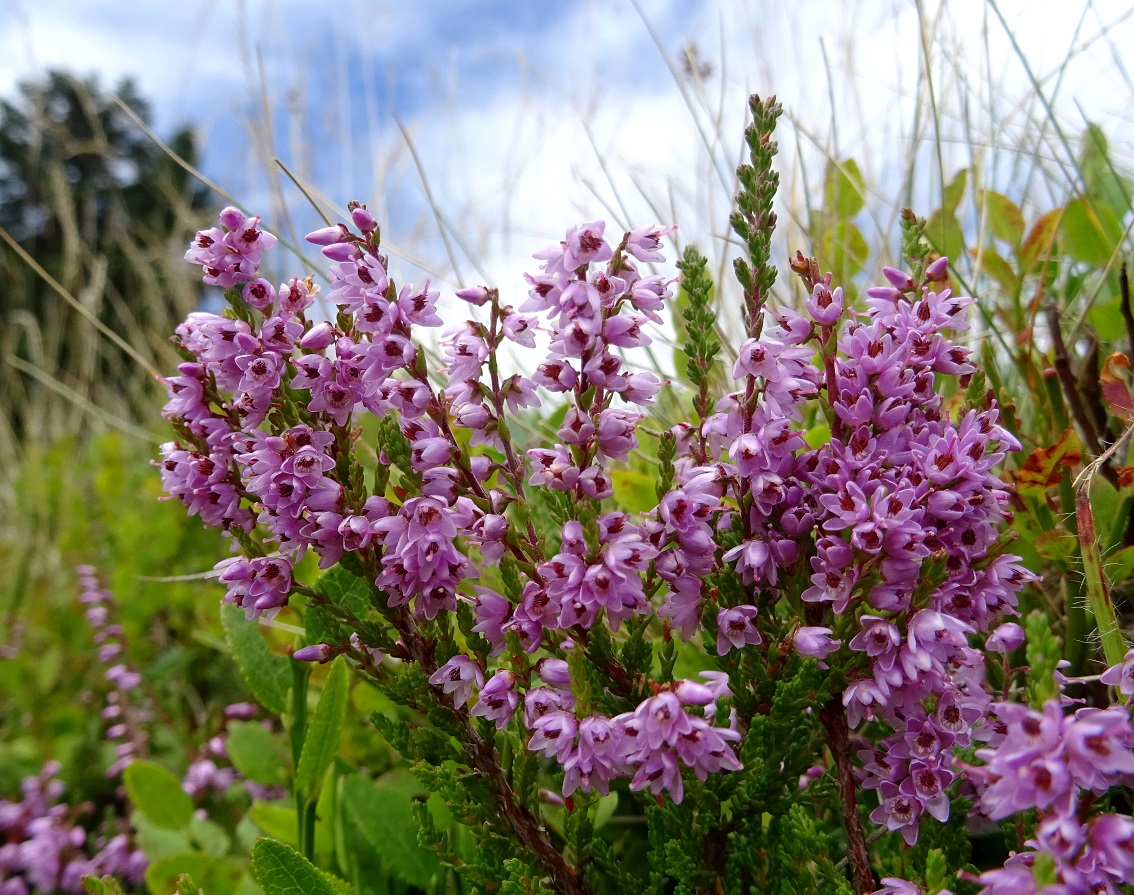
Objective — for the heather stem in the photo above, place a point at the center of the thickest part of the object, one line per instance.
(838, 741)
(484, 758)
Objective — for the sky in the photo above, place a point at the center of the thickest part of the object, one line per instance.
(499, 124)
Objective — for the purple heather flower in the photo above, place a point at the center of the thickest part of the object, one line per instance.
(815, 641)
(498, 699)
(259, 293)
(554, 735)
(597, 758)
(1006, 638)
(645, 242)
(825, 305)
(1121, 675)
(892, 885)
(735, 629)
(538, 702)
(457, 677)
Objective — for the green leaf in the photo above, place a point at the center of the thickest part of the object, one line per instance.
(266, 673)
(257, 753)
(343, 588)
(384, 816)
(158, 842)
(844, 189)
(212, 875)
(274, 820)
(633, 490)
(106, 885)
(944, 233)
(999, 269)
(955, 191)
(1056, 543)
(1091, 233)
(322, 739)
(1005, 220)
(1120, 565)
(1105, 186)
(209, 836)
(157, 793)
(281, 870)
(1106, 319)
(845, 249)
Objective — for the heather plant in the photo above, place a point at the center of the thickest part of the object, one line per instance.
(792, 668)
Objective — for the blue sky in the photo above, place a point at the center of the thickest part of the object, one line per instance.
(528, 116)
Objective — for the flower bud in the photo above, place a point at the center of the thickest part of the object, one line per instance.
(364, 220)
(318, 337)
(1005, 638)
(474, 295)
(938, 270)
(316, 652)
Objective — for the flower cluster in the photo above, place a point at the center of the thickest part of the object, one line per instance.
(1058, 764)
(124, 713)
(891, 522)
(45, 849)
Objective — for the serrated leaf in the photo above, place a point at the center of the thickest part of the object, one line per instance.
(157, 793)
(1005, 220)
(1090, 233)
(281, 870)
(343, 588)
(1038, 243)
(384, 816)
(844, 189)
(257, 753)
(266, 673)
(321, 741)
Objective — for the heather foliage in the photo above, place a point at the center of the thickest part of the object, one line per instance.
(511, 627)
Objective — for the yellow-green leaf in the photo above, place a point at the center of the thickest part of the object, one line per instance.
(844, 189)
(1005, 220)
(322, 739)
(157, 793)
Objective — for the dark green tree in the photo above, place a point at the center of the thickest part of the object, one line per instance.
(106, 213)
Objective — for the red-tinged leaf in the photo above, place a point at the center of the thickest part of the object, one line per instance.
(1038, 243)
(1114, 380)
(1043, 467)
